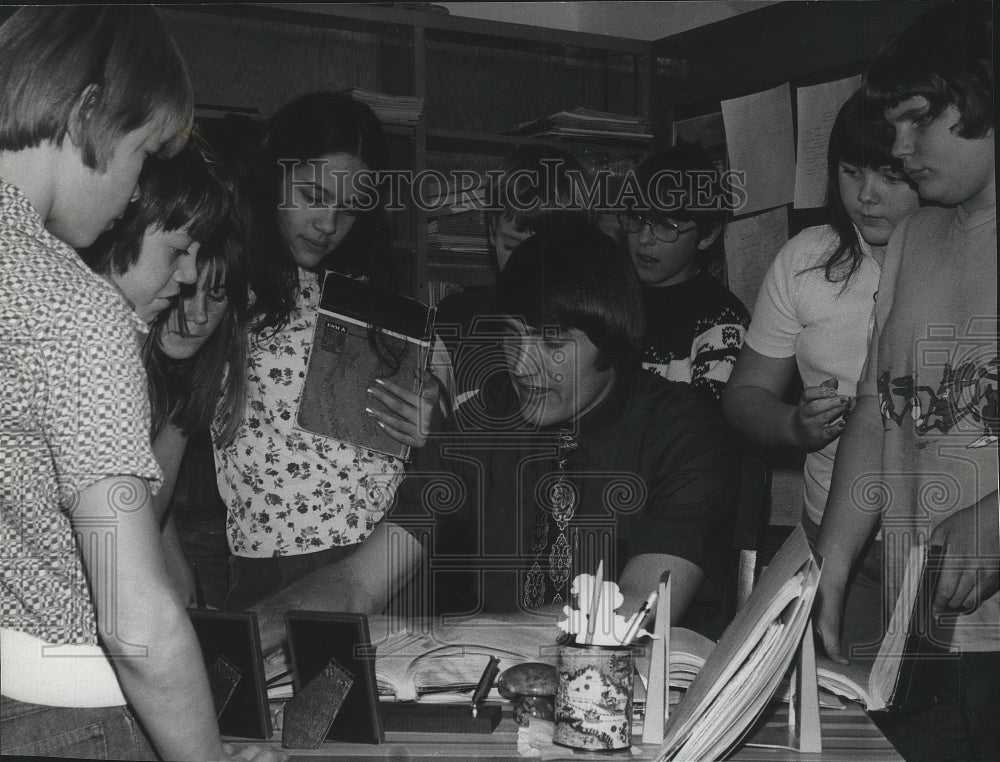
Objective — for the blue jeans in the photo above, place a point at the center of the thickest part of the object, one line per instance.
(101, 733)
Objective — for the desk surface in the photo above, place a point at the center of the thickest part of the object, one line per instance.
(848, 736)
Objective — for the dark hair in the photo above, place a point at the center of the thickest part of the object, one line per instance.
(189, 189)
(946, 56)
(211, 384)
(535, 181)
(575, 276)
(860, 137)
(307, 128)
(120, 59)
(668, 189)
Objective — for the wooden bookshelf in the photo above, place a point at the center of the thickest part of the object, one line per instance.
(479, 79)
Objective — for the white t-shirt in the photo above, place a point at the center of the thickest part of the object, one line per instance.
(824, 325)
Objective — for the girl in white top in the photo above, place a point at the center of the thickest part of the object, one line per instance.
(815, 308)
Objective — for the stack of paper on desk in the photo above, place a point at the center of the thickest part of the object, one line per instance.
(747, 666)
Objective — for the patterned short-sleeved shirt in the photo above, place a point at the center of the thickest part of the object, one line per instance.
(287, 491)
(74, 411)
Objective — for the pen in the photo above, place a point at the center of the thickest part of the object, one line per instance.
(485, 683)
(640, 616)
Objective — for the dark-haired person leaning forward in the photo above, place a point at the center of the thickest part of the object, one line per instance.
(569, 454)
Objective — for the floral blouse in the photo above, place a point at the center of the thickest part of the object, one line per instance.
(288, 491)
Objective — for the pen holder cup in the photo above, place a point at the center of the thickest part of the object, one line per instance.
(593, 706)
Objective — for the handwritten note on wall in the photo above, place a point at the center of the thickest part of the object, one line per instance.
(761, 143)
(751, 243)
(817, 109)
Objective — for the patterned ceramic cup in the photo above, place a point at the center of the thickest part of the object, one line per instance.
(593, 707)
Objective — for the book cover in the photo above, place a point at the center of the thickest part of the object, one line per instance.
(362, 333)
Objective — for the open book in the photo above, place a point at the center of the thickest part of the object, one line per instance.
(362, 333)
(745, 669)
(892, 682)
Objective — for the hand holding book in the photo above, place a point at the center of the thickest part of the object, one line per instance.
(365, 336)
(404, 414)
(970, 572)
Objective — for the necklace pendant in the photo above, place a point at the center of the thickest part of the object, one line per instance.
(562, 498)
(534, 587)
(560, 560)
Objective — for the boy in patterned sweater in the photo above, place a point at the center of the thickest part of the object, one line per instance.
(694, 324)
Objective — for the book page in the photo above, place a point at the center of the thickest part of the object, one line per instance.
(890, 653)
(760, 143)
(751, 245)
(816, 109)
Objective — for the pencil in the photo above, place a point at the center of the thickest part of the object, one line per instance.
(595, 602)
(640, 616)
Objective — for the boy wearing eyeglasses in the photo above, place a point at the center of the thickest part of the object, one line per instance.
(694, 324)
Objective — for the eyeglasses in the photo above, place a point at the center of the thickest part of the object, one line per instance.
(668, 232)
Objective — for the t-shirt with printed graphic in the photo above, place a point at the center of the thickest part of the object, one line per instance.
(74, 411)
(933, 365)
(287, 491)
(824, 325)
(694, 331)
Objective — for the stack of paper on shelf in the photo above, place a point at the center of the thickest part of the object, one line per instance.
(390, 109)
(588, 125)
(452, 196)
(463, 231)
(748, 664)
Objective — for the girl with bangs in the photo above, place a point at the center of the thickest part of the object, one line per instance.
(196, 366)
(152, 251)
(815, 312)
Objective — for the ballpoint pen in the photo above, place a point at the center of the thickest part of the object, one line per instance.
(485, 683)
(640, 617)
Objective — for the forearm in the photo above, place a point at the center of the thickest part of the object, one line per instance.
(846, 524)
(362, 582)
(142, 622)
(760, 415)
(641, 577)
(168, 687)
(178, 569)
